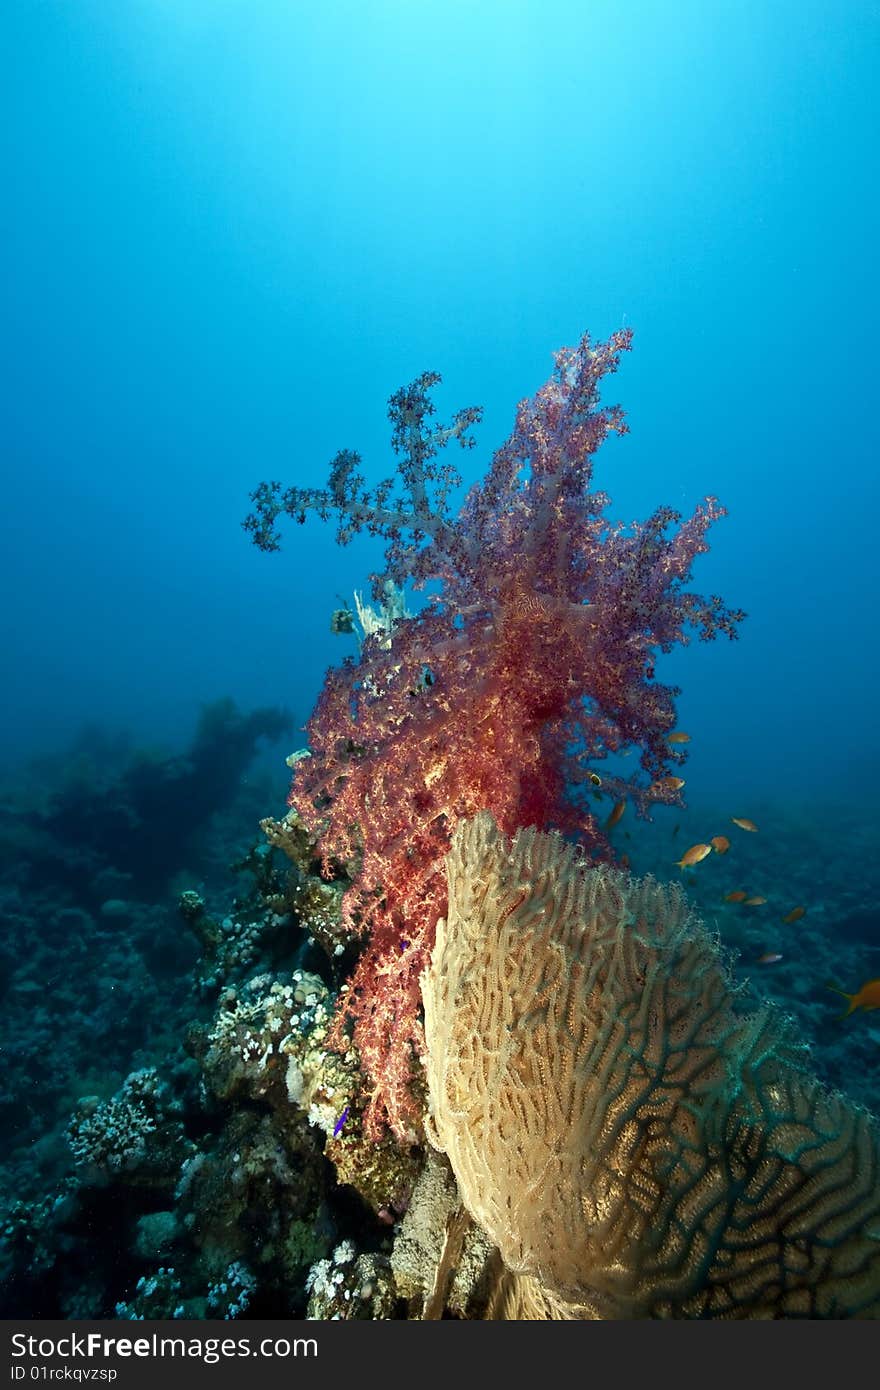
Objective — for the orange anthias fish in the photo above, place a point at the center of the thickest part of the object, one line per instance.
(738, 897)
(868, 997)
(795, 915)
(755, 902)
(744, 823)
(693, 856)
(616, 813)
(678, 737)
(669, 784)
(720, 844)
(769, 958)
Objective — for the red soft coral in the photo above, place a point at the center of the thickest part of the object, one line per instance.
(534, 661)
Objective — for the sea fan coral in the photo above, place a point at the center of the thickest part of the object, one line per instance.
(633, 1144)
(532, 663)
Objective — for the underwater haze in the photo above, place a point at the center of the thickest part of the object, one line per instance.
(233, 230)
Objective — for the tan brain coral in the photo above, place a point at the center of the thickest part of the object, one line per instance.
(633, 1143)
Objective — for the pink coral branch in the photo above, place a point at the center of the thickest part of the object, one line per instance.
(539, 652)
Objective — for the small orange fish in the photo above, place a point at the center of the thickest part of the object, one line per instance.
(868, 997)
(669, 784)
(720, 844)
(616, 813)
(694, 855)
(738, 897)
(795, 914)
(769, 958)
(678, 737)
(755, 902)
(743, 823)
(624, 861)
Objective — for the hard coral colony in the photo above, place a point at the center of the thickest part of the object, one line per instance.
(531, 664)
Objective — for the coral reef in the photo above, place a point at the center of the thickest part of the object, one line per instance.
(220, 1109)
(136, 1133)
(112, 987)
(101, 1129)
(633, 1144)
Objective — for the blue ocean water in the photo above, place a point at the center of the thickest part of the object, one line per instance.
(232, 231)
